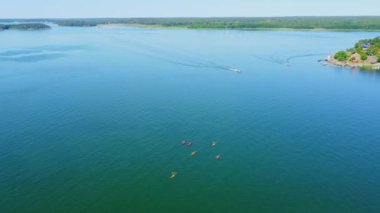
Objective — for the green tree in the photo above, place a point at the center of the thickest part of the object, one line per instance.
(341, 56)
(364, 56)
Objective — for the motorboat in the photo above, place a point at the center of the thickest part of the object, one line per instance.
(237, 70)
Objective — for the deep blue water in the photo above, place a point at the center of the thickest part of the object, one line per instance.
(92, 119)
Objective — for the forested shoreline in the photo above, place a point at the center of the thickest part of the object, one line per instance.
(367, 23)
(24, 26)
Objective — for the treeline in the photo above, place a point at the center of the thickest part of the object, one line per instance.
(24, 26)
(294, 23)
(328, 23)
(365, 48)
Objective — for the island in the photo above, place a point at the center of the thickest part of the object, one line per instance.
(24, 26)
(364, 55)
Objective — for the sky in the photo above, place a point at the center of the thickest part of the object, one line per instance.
(185, 8)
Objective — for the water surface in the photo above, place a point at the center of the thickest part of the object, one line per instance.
(92, 119)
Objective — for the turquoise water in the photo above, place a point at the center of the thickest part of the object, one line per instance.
(92, 119)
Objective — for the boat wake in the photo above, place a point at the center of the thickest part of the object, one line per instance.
(286, 60)
(39, 53)
(176, 58)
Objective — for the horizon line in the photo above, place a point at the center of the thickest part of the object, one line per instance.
(158, 17)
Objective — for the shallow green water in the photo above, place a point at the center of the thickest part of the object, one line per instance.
(92, 119)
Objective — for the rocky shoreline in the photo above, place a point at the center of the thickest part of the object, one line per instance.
(355, 64)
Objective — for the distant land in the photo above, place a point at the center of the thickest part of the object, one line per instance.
(352, 23)
(24, 26)
(364, 55)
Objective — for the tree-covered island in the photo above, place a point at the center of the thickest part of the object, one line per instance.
(25, 26)
(364, 55)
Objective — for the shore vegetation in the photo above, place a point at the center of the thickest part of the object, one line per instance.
(24, 26)
(364, 23)
(365, 54)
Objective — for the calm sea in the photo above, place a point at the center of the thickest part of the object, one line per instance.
(92, 119)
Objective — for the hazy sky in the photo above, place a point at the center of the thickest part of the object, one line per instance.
(184, 8)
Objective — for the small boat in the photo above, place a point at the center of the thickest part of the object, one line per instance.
(213, 144)
(190, 143)
(237, 70)
(183, 142)
(194, 153)
(173, 175)
(218, 157)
